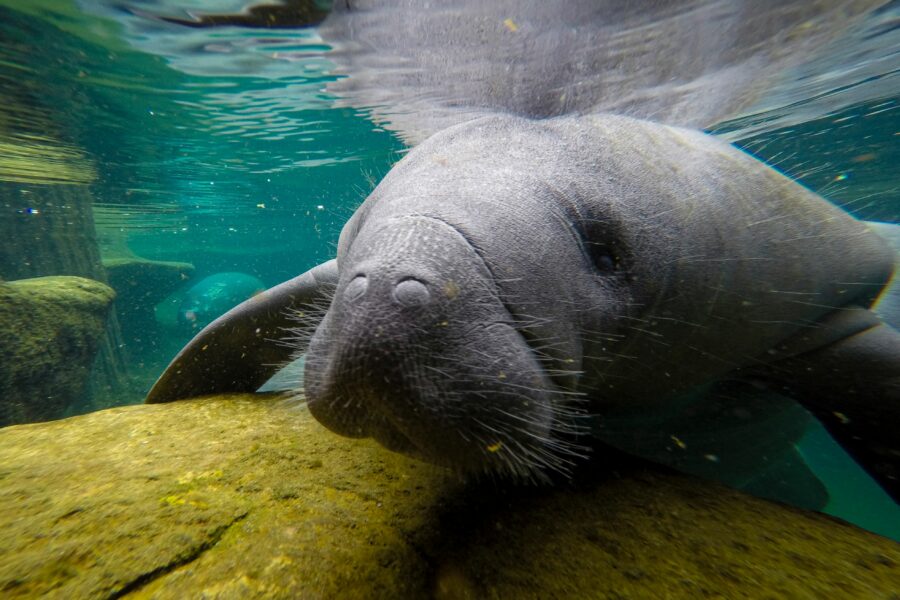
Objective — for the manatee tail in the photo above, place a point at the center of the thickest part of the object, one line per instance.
(239, 351)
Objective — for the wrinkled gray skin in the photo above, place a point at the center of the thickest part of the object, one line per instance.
(513, 273)
(507, 267)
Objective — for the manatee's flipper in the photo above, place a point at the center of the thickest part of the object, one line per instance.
(734, 431)
(789, 479)
(239, 351)
(853, 387)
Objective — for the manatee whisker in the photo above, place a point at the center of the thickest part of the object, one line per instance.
(555, 392)
(563, 372)
(646, 331)
(617, 355)
(566, 428)
(626, 317)
(437, 370)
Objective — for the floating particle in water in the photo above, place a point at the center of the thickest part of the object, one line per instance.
(320, 207)
(844, 419)
(841, 177)
(864, 157)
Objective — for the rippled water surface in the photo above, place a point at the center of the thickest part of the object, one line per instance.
(233, 149)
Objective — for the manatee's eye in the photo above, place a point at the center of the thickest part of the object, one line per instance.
(603, 257)
(604, 246)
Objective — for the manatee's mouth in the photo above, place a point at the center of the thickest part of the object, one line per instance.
(501, 416)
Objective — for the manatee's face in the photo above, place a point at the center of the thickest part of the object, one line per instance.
(419, 352)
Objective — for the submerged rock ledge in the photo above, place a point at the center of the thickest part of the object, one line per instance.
(248, 497)
(50, 330)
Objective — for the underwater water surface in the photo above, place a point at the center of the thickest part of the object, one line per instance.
(184, 165)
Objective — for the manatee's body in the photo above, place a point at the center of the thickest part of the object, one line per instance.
(510, 275)
(214, 295)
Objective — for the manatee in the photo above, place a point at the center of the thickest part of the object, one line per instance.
(215, 295)
(538, 270)
(510, 276)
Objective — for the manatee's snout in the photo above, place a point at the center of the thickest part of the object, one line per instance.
(419, 352)
(366, 362)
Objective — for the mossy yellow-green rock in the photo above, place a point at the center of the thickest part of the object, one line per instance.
(248, 497)
(50, 330)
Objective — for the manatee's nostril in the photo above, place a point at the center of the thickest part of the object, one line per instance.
(411, 292)
(356, 288)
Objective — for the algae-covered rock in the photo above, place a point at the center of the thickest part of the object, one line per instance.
(50, 329)
(248, 497)
(45, 228)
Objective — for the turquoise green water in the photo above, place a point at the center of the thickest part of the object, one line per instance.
(228, 171)
(223, 149)
(248, 169)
